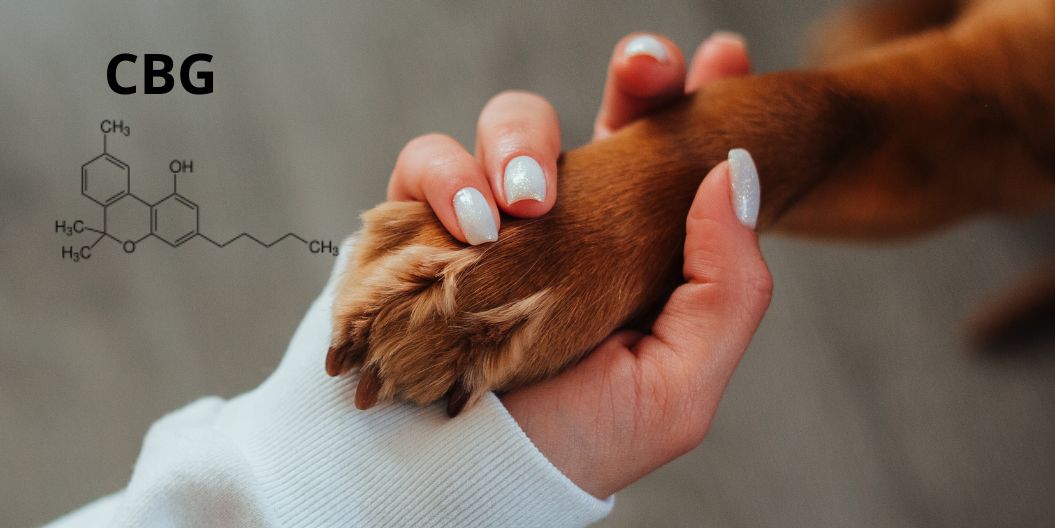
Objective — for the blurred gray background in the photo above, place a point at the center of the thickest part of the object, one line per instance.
(859, 403)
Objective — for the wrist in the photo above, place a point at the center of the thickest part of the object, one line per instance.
(574, 450)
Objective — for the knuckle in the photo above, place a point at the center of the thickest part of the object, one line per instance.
(518, 97)
(516, 105)
(759, 282)
(429, 140)
(513, 120)
(429, 152)
(429, 159)
(691, 435)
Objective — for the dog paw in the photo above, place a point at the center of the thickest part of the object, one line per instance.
(425, 317)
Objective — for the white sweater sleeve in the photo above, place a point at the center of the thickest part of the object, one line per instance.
(295, 452)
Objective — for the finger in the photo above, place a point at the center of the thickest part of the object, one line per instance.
(722, 55)
(518, 142)
(436, 169)
(708, 321)
(646, 71)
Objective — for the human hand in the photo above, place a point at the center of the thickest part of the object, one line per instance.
(638, 401)
(514, 165)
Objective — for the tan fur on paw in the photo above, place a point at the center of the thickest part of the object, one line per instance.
(402, 316)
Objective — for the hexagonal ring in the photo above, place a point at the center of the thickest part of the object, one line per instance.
(104, 179)
(127, 218)
(174, 219)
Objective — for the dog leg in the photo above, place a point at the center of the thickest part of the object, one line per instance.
(931, 130)
(855, 28)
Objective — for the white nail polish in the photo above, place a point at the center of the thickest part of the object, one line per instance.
(646, 45)
(746, 192)
(474, 215)
(524, 180)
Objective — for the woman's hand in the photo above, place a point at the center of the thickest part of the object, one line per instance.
(514, 168)
(638, 401)
(514, 165)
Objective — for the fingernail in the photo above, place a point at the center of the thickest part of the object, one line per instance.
(474, 215)
(729, 37)
(743, 177)
(645, 45)
(524, 180)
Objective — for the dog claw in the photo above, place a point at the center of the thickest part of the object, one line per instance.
(368, 389)
(342, 358)
(334, 359)
(457, 399)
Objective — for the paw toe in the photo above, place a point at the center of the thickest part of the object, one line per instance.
(423, 321)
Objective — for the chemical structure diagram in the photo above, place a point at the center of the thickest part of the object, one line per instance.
(128, 219)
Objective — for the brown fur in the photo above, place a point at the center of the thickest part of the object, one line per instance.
(890, 139)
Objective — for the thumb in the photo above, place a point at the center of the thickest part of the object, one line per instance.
(708, 322)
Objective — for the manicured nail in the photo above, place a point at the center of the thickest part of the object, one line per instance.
(646, 45)
(524, 180)
(729, 37)
(474, 215)
(743, 177)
